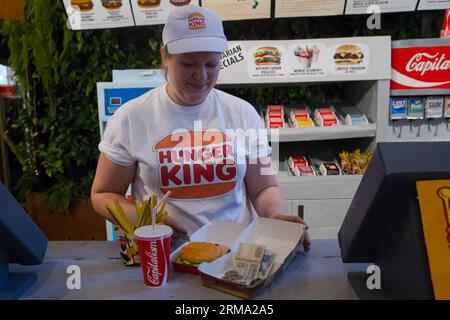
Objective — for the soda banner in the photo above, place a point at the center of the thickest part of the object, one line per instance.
(421, 67)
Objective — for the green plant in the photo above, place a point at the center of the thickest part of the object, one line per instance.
(56, 126)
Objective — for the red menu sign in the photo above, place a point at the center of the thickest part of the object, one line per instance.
(416, 68)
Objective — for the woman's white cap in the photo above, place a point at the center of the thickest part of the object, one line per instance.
(193, 29)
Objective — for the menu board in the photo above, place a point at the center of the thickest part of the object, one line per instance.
(271, 61)
(360, 6)
(308, 8)
(150, 12)
(239, 9)
(434, 4)
(98, 14)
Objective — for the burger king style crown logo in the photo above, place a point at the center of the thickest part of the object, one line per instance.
(196, 21)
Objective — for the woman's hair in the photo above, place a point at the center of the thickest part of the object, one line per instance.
(164, 54)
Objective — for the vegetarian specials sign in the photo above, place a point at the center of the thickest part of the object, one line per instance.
(266, 61)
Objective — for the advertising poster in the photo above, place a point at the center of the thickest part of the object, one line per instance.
(239, 9)
(305, 60)
(349, 58)
(98, 14)
(308, 8)
(433, 4)
(360, 6)
(420, 66)
(151, 12)
(267, 61)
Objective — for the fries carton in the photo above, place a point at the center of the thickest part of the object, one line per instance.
(124, 229)
(282, 238)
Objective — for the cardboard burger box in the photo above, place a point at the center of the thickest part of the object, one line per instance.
(219, 232)
(282, 237)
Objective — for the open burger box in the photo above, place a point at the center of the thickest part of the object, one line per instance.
(282, 237)
(220, 232)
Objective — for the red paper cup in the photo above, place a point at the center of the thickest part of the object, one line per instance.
(154, 251)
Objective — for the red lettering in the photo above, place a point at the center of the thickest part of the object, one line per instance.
(230, 172)
(187, 174)
(168, 176)
(228, 151)
(166, 156)
(200, 171)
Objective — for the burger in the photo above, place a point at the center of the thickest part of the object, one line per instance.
(196, 253)
(267, 56)
(180, 3)
(82, 5)
(348, 54)
(149, 3)
(112, 4)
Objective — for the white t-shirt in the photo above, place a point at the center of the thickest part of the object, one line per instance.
(195, 152)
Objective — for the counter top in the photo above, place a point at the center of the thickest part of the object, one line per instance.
(319, 274)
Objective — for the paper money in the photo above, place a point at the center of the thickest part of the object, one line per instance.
(248, 260)
(266, 264)
(265, 267)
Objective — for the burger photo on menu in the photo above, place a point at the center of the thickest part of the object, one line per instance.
(82, 5)
(348, 54)
(267, 56)
(149, 3)
(112, 4)
(180, 3)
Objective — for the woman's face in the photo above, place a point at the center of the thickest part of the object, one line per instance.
(191, 76)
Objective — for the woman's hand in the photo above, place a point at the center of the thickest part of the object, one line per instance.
(178, 230)
(296, 219)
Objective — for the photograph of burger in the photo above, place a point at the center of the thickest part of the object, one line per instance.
(112, 4)
(180, 3)
(348, 54)
(149, 3)
(195, 253)
(267, 56)
(82, 5)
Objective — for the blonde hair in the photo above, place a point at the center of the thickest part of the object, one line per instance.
(164, 55)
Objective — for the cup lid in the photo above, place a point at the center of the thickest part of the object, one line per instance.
(146, 232)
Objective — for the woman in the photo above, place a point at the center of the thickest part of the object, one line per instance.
(200, 143)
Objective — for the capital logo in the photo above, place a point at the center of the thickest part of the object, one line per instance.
(196, 164)
(196, 21)
(420, 68)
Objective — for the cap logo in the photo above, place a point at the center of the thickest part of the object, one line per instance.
(196, 21)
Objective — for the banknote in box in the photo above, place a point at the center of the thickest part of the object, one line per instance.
(282, 238)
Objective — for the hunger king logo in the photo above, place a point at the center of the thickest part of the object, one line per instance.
(196, 21)
(420, 68)
(196, 164)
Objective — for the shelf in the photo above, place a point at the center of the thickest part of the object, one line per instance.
(325, 133)
(318, 187)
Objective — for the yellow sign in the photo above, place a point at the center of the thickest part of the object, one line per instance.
(434, 200)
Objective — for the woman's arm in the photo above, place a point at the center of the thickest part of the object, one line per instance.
(266, 196)
(111, 183)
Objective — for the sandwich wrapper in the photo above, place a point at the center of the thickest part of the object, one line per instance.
(281, 237)
(220, 232)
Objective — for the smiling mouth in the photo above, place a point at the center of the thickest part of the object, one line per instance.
(198, 87)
